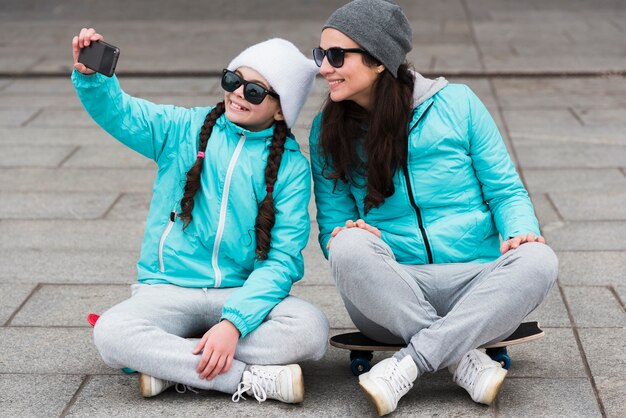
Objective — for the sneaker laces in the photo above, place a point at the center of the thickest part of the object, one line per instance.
(398, 380)
(181, 388)
(260, 383)
(469, 372)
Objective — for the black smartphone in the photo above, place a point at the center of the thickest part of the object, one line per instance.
(100, 56)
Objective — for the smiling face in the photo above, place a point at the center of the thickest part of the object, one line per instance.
(354, 80)
(247, 115)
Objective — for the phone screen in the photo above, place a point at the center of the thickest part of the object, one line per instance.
(100, 56)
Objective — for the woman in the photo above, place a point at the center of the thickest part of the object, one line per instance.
(413, 186)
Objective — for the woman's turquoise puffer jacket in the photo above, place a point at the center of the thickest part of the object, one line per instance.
(458, 191)
(217, 249)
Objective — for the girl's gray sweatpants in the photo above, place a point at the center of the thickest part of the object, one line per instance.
(441, 311)
(152, 332)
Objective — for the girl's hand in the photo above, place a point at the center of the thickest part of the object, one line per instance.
(218, 349)
(513, 243)
(360, 223)
(84, 38)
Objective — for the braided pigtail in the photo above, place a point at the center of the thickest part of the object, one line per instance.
(267, 213)
(193, 175)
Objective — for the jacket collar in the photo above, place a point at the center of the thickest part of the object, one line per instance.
(266, 134)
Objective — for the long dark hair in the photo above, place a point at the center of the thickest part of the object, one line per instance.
(383, 133)
(266, 215)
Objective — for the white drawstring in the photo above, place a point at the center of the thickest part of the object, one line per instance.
(184, 388)
(260, 383)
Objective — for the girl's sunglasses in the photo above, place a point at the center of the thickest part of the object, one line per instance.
(335, 55)
(252, 92)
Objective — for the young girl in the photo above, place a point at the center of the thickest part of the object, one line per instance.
(224, 235)
(413, 186)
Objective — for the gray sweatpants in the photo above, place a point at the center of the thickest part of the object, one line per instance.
(152, 333)
(441, 311)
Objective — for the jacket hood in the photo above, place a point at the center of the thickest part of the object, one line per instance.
(425, 88)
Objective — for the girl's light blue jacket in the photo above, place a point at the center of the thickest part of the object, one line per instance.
(459, 188)
(217, 249)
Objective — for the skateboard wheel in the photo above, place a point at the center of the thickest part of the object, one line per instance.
(360, 365)
(501, 356)
(128, 371)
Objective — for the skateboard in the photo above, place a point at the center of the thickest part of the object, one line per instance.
(92, 318)
(362, 348)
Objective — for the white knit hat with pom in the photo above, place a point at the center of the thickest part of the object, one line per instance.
(288, 71)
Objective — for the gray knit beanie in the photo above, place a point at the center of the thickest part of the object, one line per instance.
(378, 26)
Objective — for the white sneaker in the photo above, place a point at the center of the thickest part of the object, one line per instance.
(479, 375)
(151, 386)
(282, 383)
(387, 382)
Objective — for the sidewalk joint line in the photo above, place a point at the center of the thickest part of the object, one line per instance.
(581, 351)
(472, 31)
(68, 156)
(31, 118)
(576, 116)
(72, 401)
(17, 310)
(556, 210)
(616, 295)
(110, 208)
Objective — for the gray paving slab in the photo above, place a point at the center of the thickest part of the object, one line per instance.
(547, 398)
(605, 349)
(29, 156)
(544, 209)
(78, 206)
(39, 351)
(53, 137)
(587, 236)
(15, 118)
(554, 356)
(592, 267)
(77, 180)
(36, 395)
(68, 305)
(594, 307)
(68, 266)
(59, 87)
(68, 118)
(130, 207)
(612, 391)
(570, 180)
(11, 297)
(591, 206)
(65, 235)
(110, 155)
(574, 92)
(539, 154)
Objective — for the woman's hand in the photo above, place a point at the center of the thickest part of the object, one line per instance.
(360, 223)
(84, 38)
(218, 349)
(513, 243)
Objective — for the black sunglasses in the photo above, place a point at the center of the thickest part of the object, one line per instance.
(252, 92)
(335, 55)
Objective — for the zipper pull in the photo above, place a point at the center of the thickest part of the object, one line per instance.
(173, 216)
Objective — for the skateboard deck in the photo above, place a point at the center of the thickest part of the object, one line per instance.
(362, 348)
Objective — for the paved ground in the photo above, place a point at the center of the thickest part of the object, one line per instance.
(73, 201)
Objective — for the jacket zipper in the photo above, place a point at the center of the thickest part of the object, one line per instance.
(223, 207)
(405, 169)
(168, 228)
